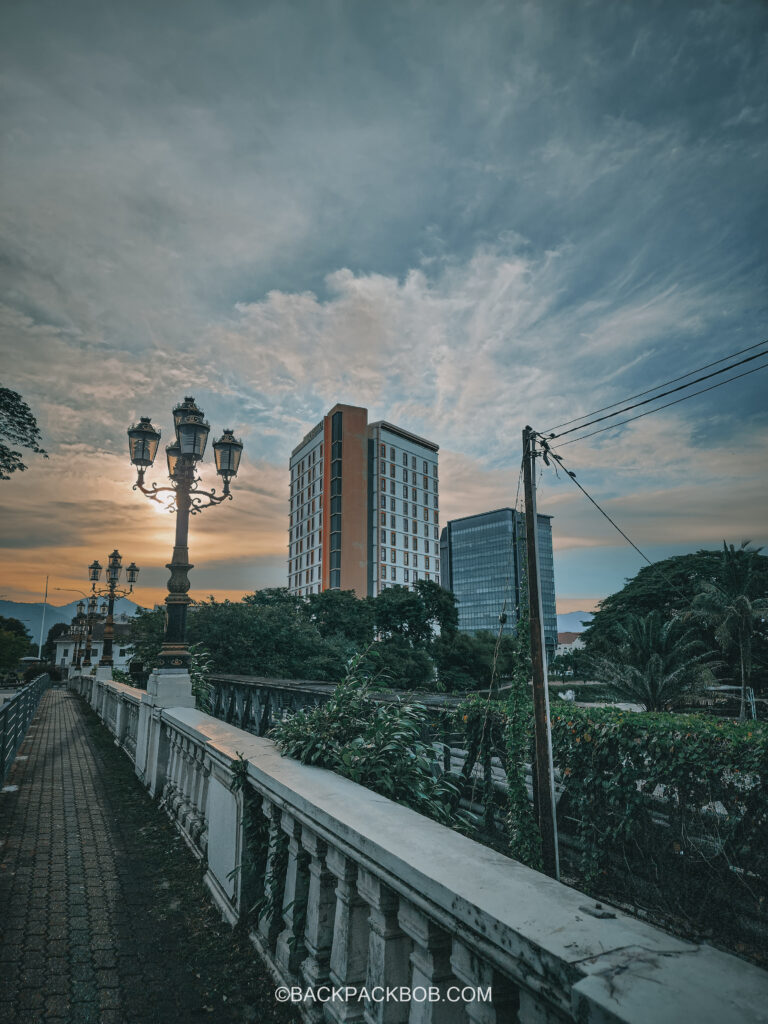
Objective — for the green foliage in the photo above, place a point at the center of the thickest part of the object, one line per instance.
(378, 745)
(656, 664)
(11, 625)
(18, 427)
(672, 810)
(730, 606)
(12, 648)
(145, 637)
(49, 647)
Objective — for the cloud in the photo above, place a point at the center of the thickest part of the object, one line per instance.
(505, 215)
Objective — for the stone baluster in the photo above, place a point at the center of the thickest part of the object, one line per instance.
(291, 948)
(388, 948)
(349, 953)
(172, 774)
(321, 908)
(473, 971)
(269, 921)
(431, 967)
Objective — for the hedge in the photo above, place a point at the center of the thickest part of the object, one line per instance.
(670, 811)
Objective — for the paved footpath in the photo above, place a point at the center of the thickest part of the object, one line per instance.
(103, 918)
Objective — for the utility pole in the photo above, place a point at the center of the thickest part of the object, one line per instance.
(543, 775)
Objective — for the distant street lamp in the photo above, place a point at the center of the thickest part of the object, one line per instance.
(110, 591)
(182, 456)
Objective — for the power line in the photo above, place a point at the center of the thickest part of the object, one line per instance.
(671, 391)
(664, 384)
(658, 408)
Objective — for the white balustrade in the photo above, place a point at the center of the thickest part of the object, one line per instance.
(355, 890)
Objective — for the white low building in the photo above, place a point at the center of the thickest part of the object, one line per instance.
(567, 643)
(71, 645)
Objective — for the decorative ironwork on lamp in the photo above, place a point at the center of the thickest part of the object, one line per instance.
(182, 456)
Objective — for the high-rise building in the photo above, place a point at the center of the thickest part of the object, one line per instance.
(484, 562)
(364, 507)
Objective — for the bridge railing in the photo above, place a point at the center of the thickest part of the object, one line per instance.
(15, 716)
(341, 887)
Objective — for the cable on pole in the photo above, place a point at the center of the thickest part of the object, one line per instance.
(665, 384)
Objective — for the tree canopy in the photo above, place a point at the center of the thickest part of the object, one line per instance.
(406, 639)
(671, 588)
(19, 427)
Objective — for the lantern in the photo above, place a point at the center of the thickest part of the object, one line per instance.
(227, 451)
(143, 440)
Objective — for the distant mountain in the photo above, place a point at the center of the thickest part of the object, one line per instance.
(32, 614)
(571, 622)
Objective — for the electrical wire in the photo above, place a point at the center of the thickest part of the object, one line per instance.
(671, 391)
(665, 384)
(658, 408)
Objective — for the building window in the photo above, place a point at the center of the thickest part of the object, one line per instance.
(394, 572)
(426, 513)
(392, 555)
(434, 501)
(405, 475)
(383, 450)
(392, 454)
(425, 480)
(405, 557)
(383, 572)
(392, 521)
(383, 501)
(426, 561)
(405, 459)
(436, 517)
(405, 491)
(413, 509)
(414, 525)
(392, 504)
(383, 483)
(383, 518)
(392, 469)
(383, 554)
(393, 539)
(413, 462)
(405, 575)
(413, 479)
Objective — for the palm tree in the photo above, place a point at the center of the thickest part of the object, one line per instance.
(658, 663)
(730, 606)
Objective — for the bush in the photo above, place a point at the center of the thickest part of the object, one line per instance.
(379, 745)
(671, 811)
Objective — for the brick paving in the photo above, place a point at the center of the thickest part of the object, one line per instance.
(103, 918)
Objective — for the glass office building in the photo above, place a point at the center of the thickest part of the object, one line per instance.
(483, 562)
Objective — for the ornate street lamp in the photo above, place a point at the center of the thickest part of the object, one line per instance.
(110, 591)
(182, 455)
(89, 617)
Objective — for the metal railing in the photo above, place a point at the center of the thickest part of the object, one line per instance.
(15, 716)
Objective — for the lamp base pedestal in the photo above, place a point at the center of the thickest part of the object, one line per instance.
(166, 688)
(104, 673)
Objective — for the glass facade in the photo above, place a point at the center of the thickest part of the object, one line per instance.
(483, 562)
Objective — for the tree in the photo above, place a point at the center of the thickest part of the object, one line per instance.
(341, 614)
(658, 664)
(15, 626)
(49, 647)
(731, 606)
(19, 427)
(12, 648)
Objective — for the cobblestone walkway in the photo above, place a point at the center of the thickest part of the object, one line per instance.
(102, 913)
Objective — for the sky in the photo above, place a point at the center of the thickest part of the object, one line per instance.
(466, 217)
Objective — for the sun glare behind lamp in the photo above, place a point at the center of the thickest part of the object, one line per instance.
(143, 440)
(227, 452)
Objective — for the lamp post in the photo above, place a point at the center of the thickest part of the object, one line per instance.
(182, 455)
(111, 591)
